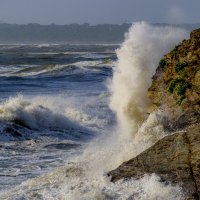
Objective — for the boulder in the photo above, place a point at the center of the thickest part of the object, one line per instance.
(175, 158)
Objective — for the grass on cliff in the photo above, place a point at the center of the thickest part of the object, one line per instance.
(179, 87)
(180, 66)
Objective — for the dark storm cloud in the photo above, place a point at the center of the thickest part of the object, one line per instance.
(99, 11)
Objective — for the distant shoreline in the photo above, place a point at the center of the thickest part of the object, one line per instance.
(74, 34)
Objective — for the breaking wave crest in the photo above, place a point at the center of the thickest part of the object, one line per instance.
(47, 113)
(52, 69)
(85, 178)
(33, 114)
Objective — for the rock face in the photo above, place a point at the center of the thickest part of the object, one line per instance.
(175, 158)
(176, 90)
(176, 85)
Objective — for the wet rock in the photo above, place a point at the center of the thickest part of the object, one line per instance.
(175, 89)
(175, 158)
(176, 85)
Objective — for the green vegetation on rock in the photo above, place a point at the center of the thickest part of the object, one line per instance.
(180, 66)
(176, 157)
(179, 86)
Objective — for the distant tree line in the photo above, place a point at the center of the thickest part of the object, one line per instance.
(73, 33)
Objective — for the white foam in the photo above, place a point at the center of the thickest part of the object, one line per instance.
(33, 70)
(42, 112)
(97, 63)
(84, 178)
(37, 70)
(94, 56)
(138, 58)
(73, 184)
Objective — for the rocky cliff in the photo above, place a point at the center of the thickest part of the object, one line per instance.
(176, 90)
(176, 85)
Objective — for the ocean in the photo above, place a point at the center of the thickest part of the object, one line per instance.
(71, 113)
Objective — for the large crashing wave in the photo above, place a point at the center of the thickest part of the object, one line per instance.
(46, 113)
(138, 59)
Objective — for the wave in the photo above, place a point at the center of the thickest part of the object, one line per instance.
(138, 58)
(54, 68)
(91, 64)
(5, 70)
(36, 70)
(94, 56)
(44, 45)
(32, 70)
(33, 115)
(84, 178)
(81, 54)
(149, 187)
(47, 113)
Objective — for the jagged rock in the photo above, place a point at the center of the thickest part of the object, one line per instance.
(176, 90)
(175, 158)
(176, 85)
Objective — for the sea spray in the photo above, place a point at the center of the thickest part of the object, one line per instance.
(138, 58)
(83, 178)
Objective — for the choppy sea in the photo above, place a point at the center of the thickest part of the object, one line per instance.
(53, 101)
(71, 113)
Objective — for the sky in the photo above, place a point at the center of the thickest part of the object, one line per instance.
(99, 11)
